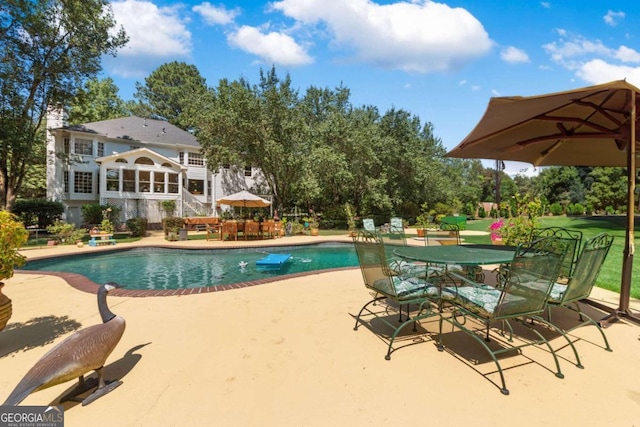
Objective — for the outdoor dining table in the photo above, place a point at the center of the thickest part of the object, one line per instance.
(458, 254)
(470, 257)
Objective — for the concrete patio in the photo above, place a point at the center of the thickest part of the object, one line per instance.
(285, 353)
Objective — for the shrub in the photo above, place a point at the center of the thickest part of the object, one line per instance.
(575, 209)
(556, 209)
(517, 230)
(172, 223)
(137, 226)
(94, 214)
(610, 210)
(40, 212)
(66, 233)
(12, 236)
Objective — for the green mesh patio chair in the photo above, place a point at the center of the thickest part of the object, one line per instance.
(587, 267)
(572, 252)
(522, 296)
(574, 239)
(403, 285)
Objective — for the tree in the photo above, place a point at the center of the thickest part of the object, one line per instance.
(561, 184)
(48, 48)
(257, 125)
(170, 93)
(609, 188)
(98, 100)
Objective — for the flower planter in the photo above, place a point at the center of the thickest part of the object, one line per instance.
(420, 232)
(5, 308)
(314, 231)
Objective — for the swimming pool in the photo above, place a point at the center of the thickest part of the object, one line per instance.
(151, 268)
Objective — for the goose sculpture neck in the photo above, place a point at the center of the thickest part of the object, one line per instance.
(103, 308)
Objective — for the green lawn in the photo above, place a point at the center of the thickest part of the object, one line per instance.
(610, 275)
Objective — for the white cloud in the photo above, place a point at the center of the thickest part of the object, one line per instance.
(598, 71)
(273, 48)
(495, 92)
(216, 15)
(545, 4)
(462, 83)
(422, 36)
(612, 18)
(514, 55)
(156, 35)
(593, 61)
(626, 54)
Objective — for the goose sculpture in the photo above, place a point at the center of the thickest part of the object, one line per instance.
(84, 351)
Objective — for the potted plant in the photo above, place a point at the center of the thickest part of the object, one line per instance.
(312, 223)
(12, 236)
(351, 219)
(424, 220)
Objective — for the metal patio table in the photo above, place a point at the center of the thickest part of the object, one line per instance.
(470, 257)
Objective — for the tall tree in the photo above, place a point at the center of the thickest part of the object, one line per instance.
(47, 49)
(98, 100)
(257, 125)
(169, 93)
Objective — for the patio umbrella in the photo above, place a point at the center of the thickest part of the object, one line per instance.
(244, 199)
(591, 126)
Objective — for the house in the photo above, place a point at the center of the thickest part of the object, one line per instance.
(134, 163)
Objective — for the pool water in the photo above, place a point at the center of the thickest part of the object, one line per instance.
(162, 268)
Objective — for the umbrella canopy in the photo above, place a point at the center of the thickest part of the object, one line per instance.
(244, 199)
(591, 126)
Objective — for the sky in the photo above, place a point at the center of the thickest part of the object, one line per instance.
(441, 61)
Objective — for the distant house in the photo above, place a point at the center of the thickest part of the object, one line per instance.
(134, 163)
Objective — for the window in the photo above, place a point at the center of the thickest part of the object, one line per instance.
(196, 186)
(128, 180)
(181, 158)
(158, 182)
(195, 159)
(66, 181)
(121, 160)
(113, 180)
(247, 171)
(144, 161)
(100, 149)
(144, 181)
(66, 145)
(83, 146)
(83, 182)
(173, 183)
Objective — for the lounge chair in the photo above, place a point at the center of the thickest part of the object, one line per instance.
(583, 278)
(396, 225)
(396, 285)
(368, 225)
(521, 297)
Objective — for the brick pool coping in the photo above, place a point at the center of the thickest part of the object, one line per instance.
(85, 284)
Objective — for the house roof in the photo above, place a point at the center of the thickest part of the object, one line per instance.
(138, 129)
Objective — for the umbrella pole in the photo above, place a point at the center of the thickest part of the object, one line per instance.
(629, 245)
(629, 248)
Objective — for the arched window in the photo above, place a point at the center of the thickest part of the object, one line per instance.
(166, 165)
(121, 161)
(144, 161)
